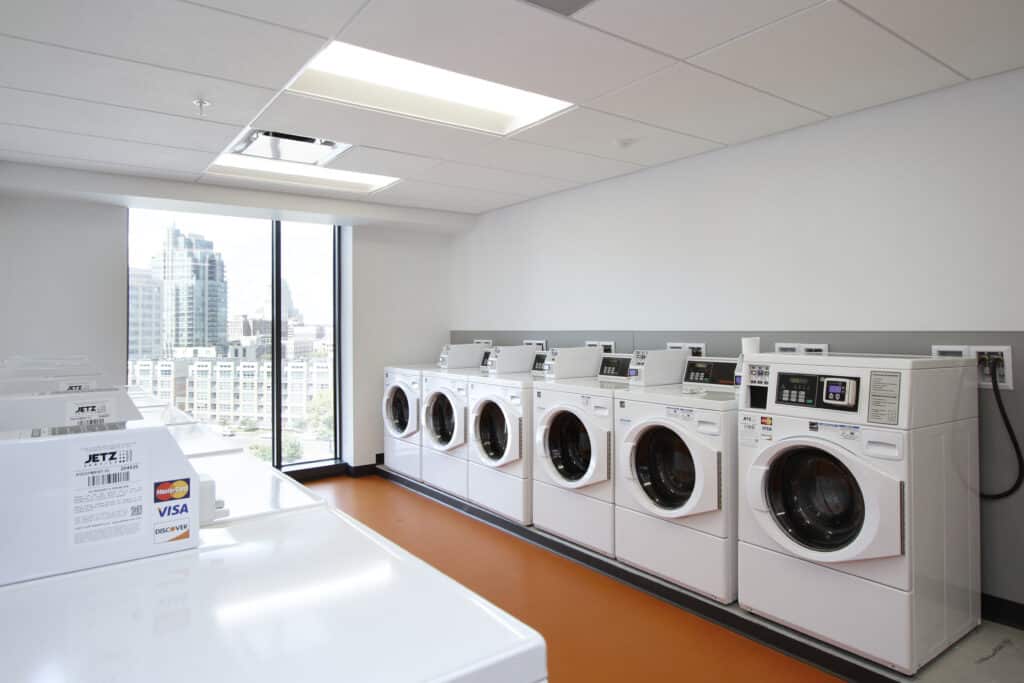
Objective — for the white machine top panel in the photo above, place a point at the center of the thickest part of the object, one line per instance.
(591, 386)
(312, 593)
(682, 395)
(455, 373)
(416, 370)
(198, 440)
(866, 360)
(512, 379)
(250, 488)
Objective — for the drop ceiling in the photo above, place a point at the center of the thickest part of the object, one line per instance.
(109, 85)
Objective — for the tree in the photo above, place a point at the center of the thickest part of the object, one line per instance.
(291, 446)
(320, 412)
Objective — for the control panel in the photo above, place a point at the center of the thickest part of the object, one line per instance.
(485, 361)
(815, 391)
(715, 373)
(538, 362)
(615, 366)
(758, 375)
(657, 366)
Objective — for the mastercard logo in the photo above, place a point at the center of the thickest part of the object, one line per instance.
(170, 490)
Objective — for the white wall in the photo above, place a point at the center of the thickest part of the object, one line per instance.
(908, 216)
(64, 280)
(396, 310)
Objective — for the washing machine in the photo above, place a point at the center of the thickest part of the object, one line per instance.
(444, 414)
(500, 457)
(573, 483)
(859, 512)
(675, 479)
(400, 408)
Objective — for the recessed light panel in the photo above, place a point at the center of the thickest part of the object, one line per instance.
(258, 168)
(366, 78)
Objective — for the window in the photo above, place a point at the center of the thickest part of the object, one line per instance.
(203, 332)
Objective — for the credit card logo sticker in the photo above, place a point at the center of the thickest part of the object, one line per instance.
(173, 510)
(166, 532)
(170, 490)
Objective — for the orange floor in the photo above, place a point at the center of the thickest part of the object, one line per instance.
(596, 628)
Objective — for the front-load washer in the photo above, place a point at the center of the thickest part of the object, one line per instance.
(675, 479)
(573, 476)
(400, 408)
(500, 458)
(444, 416)
(859, 509)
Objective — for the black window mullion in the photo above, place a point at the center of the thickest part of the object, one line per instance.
(276, 329)
(338, 245)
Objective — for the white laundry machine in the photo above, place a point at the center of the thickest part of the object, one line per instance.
(572, 454)
(859, 512)
(401, 411)
(675, 478)
(444, 416)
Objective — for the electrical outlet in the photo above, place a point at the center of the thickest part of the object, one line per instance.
(606, 346)
(952, 350)
(696, 349)
(1005, 376)
(541, 344)
(484, 342)
(798, 347)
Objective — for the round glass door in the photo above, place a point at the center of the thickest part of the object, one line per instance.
(664, 467)
(493, 430)
(398, 410)
(442, 419)
(569, 446)
(814, 499)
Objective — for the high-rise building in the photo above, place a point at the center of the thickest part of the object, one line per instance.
(195, 292)
(145, 315)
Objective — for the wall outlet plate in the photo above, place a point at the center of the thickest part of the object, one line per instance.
(952, 350)
(484, 342)
(1005, 373)
(541, 344)
(695, 348)
(801, 347)
(607, 346)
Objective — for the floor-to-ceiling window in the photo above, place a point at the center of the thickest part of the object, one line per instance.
(204, 333)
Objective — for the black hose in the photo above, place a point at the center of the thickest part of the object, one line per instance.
(993, 369)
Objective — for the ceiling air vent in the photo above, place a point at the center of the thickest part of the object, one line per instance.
(294, 148)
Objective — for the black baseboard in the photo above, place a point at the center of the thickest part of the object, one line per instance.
(312, 471)
(822, 656)
(1002, 611)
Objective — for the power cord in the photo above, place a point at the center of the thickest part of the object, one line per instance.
(994, 364)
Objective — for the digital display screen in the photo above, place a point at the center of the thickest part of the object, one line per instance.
(836, 388)
(487, 357)
(538, 361)
(615, 367)
(709, 372)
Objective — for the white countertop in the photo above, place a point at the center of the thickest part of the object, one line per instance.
(309, 595)
(250, 487)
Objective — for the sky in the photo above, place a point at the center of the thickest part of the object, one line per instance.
(244, 244)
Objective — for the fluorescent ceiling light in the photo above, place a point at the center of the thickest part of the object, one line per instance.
(362, 77)
(239, 165)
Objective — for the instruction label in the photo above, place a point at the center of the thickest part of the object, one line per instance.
(884, 398)
(108, 491)
(679, 413)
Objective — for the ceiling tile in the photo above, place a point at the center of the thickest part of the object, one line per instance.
(605, 135)
(382, 162)
(302, 115)
(443, 197)
(319, 17)
(103, 150)
(172, 34)
(685, 27)
(977, 38)
(465, 175)
(693, 101)
(504, 41)
(524, 157)
(88, 118)
(831, 59)
(42, 68)
(97, 166)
